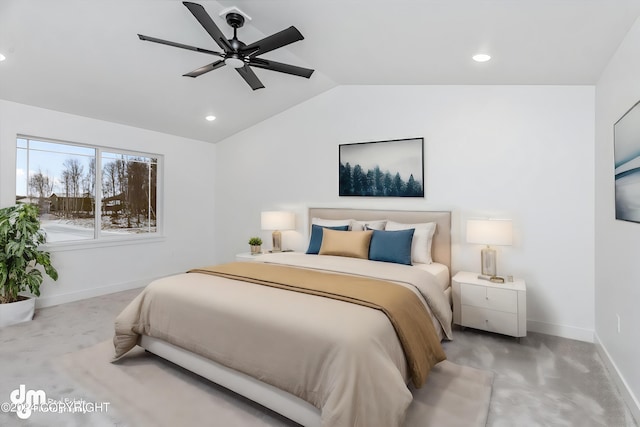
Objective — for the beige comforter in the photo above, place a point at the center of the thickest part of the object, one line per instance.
(343, 358)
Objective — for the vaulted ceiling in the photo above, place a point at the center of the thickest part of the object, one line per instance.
(84, 57)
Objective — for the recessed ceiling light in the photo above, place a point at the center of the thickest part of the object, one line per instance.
(2, 57)
(481, 57)
(210, 118)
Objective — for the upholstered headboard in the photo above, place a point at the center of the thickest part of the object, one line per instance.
(441, 246)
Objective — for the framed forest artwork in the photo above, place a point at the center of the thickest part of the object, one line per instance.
(393, 168)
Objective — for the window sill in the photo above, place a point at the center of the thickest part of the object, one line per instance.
(102, 243)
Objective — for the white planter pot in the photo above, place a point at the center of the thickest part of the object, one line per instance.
(17, 312)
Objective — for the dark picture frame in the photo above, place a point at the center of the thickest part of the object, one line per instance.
(626, 153)
(389, 168)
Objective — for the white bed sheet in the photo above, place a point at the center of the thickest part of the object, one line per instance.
(440, 271)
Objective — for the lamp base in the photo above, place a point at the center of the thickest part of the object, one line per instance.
(277, 241)
(488, 261)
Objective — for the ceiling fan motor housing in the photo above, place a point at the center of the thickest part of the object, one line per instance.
(235, 59)
(235, 20)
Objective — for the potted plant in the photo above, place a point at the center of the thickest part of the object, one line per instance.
(20, 239)
(255, 243)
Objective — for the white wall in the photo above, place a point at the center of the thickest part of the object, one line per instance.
(188, 203)
(503, 151)
(617, 243)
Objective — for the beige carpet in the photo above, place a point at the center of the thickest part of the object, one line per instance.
(145, 390)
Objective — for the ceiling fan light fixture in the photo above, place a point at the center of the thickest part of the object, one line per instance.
(481, 57)
(234, 62)
(210, 118)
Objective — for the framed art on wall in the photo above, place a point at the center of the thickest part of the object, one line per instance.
(626, 145)
(392, 168)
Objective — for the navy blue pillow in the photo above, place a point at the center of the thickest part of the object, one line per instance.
(316, 237)
(391, 246)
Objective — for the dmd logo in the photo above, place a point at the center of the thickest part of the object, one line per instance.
(25, 400)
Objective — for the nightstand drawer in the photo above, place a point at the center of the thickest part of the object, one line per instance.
(490, 320)
(491, 298)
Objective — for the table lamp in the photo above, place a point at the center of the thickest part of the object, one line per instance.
(276, 221)
(489, 232)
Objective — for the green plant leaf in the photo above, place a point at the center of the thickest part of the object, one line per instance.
(20, 256)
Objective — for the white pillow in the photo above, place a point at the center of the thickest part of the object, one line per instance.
(352, 223)
(374, 225)
(422, 239)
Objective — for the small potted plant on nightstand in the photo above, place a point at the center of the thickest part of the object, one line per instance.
(20, 238)
(256, 245)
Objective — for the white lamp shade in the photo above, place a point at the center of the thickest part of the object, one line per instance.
(278, 220)
(490, 231)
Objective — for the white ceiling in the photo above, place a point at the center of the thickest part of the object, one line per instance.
(84, 57)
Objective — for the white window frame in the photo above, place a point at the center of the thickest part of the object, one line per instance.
(98, 240)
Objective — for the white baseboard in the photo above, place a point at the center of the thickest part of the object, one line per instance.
(48, 301)
(627, 395)
(563, 331)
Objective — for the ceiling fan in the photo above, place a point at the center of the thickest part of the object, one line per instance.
(237, 54)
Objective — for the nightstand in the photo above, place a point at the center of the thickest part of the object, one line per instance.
(246, 257)
(493, 307)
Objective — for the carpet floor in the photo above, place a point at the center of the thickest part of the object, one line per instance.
(144, 388)
(540, 381)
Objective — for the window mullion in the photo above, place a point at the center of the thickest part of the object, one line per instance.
(27, 171)
(149, 195)
(98, 195)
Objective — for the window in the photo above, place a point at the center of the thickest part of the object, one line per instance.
(87, 192)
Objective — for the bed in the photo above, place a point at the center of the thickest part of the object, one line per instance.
(318, 361)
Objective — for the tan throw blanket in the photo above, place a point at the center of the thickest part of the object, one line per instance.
(405, 311)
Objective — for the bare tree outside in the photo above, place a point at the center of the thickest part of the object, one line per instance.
(41, 186)
(109, 179)
(129, 185)
(72, 175)
(89, 179)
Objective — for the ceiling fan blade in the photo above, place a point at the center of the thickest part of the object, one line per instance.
(272, 42)
(180, 45)
(205, 20)
(205, 69)
(250, 77)
(280, 67)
